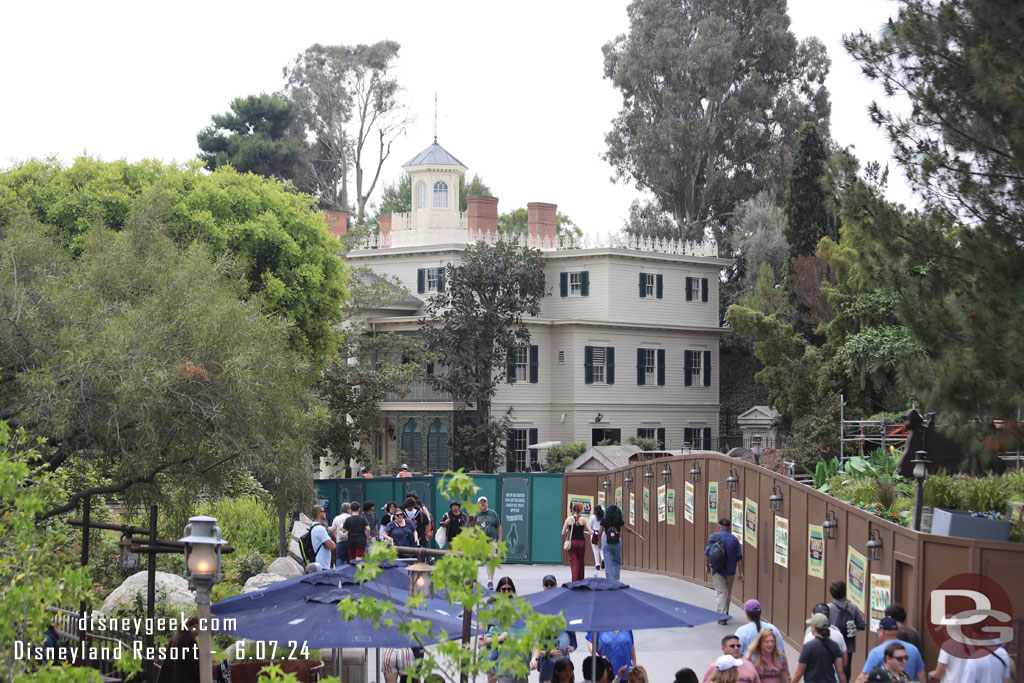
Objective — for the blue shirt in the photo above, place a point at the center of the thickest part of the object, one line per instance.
(320, 538)
(733, 551)
(402, 535)
(617, 646)
(748, 632)
(546, 665)
(876, 658)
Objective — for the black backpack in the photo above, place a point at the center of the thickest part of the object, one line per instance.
(612, 533)
(718, 556)
(306, 544)
(846, 623)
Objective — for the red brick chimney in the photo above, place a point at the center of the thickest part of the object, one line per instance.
(482, 214)
(541, 221)
(337, 223)
(385, 228)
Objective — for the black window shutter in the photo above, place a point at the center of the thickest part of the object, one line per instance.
(643, 285)
(430, 368)
(585, 283)
(704, 289)
(661, 367)
(613, 435)
(533, 439)
(440, 279)
(609, 362)
(588, 364)
(661, 438)
(658, 285)
(688, 436)
(421, 280)
(640, 358)
(510, 365)
(687, 368)
(639, 435)
(563, 284)
(534, 363)
(706, 442)
(510, 450)
(689, 289)
(707, 368)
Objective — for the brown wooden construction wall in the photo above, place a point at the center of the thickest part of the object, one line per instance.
(917, 563)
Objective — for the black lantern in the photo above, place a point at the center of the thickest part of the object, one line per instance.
(775, 501)
(920, 463)
(875, 545)
(732, 484)
(666, 474)
(831, 525)
(648, 477)
(695, 472)
(628, 483)
(606, 484)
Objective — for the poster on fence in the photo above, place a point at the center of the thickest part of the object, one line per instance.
(737, 519)
(600, 499)
(670, 504)
(661, 503)
(881, 594)
(618, 496)
(750, 523)
(647, 504)
(632, 509)
(815, 551)
(782, 541)
(688, 502)
(712, 502)
(856, 575)
(588, 504)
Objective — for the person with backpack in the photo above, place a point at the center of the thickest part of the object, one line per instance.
(576, 530)
(846, 617)
(725, 562)
(612, 530)
(317, 543)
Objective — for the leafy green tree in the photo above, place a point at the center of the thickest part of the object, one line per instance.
(713, 94)
(477, 320)
(759, 237)
(808, 214)
(475, 187)
(396, 197)
(261, 134)
(139, 360)
(516, 222)
(277, 236)
(349, 100)
(647, 220)
(955, 267)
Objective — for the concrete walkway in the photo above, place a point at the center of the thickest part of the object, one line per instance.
(661, 652)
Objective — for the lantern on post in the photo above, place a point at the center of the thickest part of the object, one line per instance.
(420, 582)
(628, 483)
(775, 501)
(695, 472)
(830, 526)
(732, 484)
(648, 477)
(666, 474)
(202, 570)
(875, 545)
(606, 484)
(920, 463)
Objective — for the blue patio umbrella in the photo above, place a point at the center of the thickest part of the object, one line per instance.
(597, 604)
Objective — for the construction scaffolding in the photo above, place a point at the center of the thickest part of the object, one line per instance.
(866, 434)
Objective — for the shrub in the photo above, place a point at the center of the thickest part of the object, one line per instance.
(246, 523)
(644, 443)
(986, 493)
(856, 490)
(561, 456)
(248, 565)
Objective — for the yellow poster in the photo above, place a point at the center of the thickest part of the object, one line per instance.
(781, 541)
(688, 503)
(647, 504)
(712, 502)
(737, 519)
(670, 505)
(881, 594)
(815, 551)
(750, 523)
(588, 504)
(661, 503)
(600, 498)
(618, 496)
(632, 509)
(856, 577)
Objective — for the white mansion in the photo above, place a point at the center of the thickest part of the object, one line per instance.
(626, 343)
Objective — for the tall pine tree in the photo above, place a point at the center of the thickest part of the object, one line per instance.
(808, 216)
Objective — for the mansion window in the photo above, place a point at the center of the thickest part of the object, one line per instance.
(697, 368)
(523, 364)
(655, 433)
(576, 283)
(650, 367)
(519, 458)
(421, 195)
(412, 444)
(430, 280)
(697, 289)
(651, 285)
(599, 365)
(440, 195)
(699, 438)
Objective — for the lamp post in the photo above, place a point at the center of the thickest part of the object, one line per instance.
(831, 525)
(920, 474)
(202, 570)
(733, 482)
(420, 582)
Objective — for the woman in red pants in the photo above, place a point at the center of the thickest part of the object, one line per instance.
(576, 530)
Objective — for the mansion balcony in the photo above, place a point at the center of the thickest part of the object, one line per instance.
(419, 392)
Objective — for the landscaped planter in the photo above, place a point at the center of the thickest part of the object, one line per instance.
(962, 525)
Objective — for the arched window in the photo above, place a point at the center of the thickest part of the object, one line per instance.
(411, 444)
(437, 447)
(421, 195)
(440, 195)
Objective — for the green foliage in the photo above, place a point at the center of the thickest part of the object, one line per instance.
(857, 490)
(140, 358)
(30, 578)
(477, 320)
(276, 237)
(759, 236)
(162, 609)
(455, 575)
(562, 455)
(766, 295)
(973, 494)
(475, 188)
(516, 222)
(647, 220)
(396, 197)
(724, 85)
(247, 565)
(808, 210)
(644, 443)
(824, 471)
(261, 134)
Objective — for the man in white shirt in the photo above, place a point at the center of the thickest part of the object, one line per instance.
(339, 534)
(834, 634)
(992, 668)
(950, 668)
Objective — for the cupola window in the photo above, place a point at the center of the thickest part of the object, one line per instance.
(440, 195)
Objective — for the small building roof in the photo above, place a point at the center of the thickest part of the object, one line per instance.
(435, 155)
(603, 458)
(392, 297)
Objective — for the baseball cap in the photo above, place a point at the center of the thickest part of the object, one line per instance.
(818, 621)
(481, 498)
(888, 624)
(724, 522)
(454, 503)
(879, 675)
(549, 580)
(820, 608)
(726, 662)
(752, 606)
(404, 466)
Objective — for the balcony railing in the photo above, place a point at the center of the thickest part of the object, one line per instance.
(425, 221)
(419, 391)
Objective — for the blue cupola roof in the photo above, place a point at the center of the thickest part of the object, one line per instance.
(435, 155)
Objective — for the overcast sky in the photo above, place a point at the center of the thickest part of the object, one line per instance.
(521, 95)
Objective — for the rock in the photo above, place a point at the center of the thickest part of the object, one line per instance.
(260, 580)
(740, 453)
(300, 528)
(171, 587)
(286, 567)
